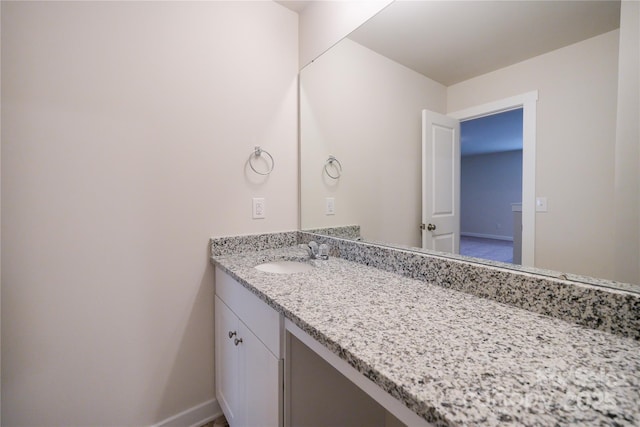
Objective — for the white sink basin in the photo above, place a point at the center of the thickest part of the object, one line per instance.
(284, 267)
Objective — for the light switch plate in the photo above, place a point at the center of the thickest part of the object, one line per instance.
(259, 208)
(330, 206)
(541, 204)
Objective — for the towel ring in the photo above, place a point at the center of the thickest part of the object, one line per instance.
(257, 153)
(330, 162)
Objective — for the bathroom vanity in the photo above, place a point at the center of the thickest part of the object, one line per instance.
(364, 335)
(248, 355)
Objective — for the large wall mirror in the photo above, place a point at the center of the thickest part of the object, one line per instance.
(361, 118)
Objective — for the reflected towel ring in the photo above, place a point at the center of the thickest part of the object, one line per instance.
(332, 161)
(257, 153)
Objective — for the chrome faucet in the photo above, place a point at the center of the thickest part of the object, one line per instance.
(317, 252)
(323, 251)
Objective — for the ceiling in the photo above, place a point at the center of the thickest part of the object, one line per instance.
(492, 134)
(295, 5)
(452, 41)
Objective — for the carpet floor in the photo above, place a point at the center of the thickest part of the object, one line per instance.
(491, 249)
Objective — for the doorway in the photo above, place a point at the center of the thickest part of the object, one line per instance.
(491, 187)
(527, 102)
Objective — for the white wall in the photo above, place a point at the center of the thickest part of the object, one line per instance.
(627, 151)
(126, 130)
(489, 183)
(0, 227)
(576, 132)
(364, 109)
(324, 23)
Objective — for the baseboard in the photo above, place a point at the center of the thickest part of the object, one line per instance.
(488, 236)
(194, 417)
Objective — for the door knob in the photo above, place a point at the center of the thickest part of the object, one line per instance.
(237, 341)
(231, 334)
(431, 227)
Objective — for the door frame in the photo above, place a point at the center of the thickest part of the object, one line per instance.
(528, 103)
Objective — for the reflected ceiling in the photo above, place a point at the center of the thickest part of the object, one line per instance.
(492, 134)
(460, 39)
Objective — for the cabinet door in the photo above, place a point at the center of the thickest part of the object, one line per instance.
(260, 382)
(226, 361)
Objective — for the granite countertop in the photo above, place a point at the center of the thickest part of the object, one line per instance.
(451, 357)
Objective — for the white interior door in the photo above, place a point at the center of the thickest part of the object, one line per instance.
(440, 182)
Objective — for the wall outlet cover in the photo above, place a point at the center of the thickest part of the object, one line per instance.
(259, 208)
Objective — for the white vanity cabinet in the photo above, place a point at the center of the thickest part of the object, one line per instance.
(248, 356)
(254, 343)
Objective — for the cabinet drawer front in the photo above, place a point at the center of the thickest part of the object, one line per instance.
(263, 320)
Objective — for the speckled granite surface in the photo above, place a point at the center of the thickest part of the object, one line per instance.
(612, 310)
(451, 357)
(251, 243)
(612, 284)
(345, 232)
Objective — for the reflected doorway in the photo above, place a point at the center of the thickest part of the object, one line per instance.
(491, 186)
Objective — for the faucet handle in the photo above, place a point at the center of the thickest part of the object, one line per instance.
(323, 251)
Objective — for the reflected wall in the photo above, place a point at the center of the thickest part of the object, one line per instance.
(365, 110)
(575, 146)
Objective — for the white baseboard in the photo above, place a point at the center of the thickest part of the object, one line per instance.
(488, 236)
(194, 417)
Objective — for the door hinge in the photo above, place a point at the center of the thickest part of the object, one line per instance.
(423, 227)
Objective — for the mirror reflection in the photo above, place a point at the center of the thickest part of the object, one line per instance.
(491, 187)
(363, 100)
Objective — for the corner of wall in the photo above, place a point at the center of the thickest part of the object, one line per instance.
(0, 221)
(324, 23)
(627, 148)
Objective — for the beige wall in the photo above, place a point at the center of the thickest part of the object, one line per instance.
(576, 133)
(0, 227)
(627, 177)
(367, 110)
(364, 109)
(126, 130)
(324, 23)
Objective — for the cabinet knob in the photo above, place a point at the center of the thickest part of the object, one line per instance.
(231, 334)
(237, 341)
